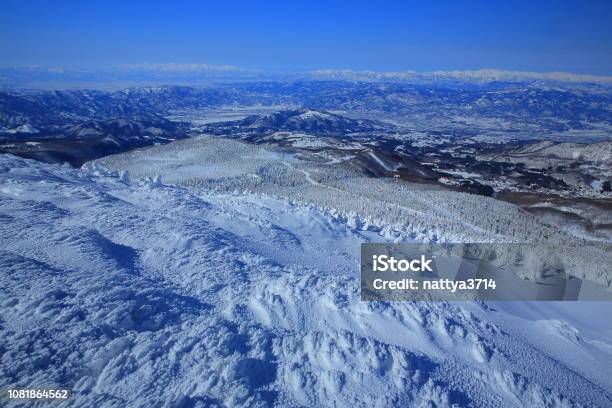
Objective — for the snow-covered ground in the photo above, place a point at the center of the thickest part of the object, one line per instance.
(404, 211)
(135, 293)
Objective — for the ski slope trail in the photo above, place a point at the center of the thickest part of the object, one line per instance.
(132, 292)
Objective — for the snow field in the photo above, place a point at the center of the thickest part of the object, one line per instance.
(404, 212)
(143, 294)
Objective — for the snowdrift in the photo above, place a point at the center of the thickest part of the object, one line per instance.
(132, 292)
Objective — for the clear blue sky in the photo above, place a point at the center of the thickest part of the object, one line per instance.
(573, 36)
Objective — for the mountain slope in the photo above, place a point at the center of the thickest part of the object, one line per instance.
(302, 120)
(138, 293)
(94, 138)
(345, 187)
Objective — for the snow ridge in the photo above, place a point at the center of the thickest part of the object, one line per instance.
(134, 292)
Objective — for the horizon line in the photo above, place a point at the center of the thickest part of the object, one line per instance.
(202, 67)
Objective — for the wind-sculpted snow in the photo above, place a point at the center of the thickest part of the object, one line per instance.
(402, 211)
(136, 293)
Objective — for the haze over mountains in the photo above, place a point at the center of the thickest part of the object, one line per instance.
(173, 72)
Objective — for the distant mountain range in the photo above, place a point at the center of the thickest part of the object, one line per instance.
(482, 76)
(536, 109)
(105, 122)
(152, 73)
